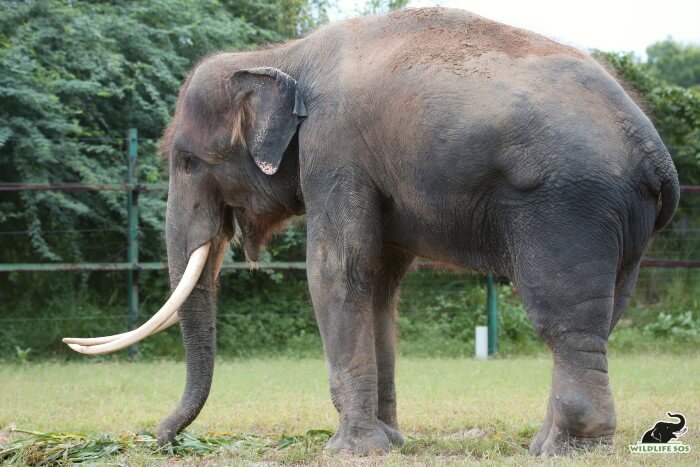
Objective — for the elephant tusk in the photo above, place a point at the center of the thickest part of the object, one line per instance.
(162, 319)
(90, 341)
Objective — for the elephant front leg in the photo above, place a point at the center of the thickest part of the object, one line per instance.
(341, 278)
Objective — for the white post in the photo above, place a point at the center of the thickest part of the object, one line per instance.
(482, 342)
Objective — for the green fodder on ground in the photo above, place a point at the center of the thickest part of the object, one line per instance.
(451, 410)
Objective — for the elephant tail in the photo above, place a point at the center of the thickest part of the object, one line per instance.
(662, 180)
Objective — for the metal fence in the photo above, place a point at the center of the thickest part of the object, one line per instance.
(133, 266)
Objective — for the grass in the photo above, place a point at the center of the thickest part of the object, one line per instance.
(279, 410)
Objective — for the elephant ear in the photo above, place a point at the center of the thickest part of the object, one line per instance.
(277, 109)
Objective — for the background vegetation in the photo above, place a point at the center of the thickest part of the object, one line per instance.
(77, 74)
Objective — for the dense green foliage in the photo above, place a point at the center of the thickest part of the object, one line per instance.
(675, 110)
(77, 74)
(374, 7)
(270, 315)
(674, 62)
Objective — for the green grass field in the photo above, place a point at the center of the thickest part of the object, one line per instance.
(264, 402)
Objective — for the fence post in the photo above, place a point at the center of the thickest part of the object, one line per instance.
(492, 307)
(132, 238)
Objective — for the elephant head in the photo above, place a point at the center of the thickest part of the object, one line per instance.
(663, 432)
(230, 160)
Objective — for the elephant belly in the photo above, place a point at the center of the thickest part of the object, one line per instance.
(462, 237)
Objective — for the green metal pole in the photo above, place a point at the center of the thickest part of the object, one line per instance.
(132, 238)
(492, 307)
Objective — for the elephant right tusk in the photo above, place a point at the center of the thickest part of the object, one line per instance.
(159, 321)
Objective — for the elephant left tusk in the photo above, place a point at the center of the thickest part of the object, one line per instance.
(90, 341)
(194, 268)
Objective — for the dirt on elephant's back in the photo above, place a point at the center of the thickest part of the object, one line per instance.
(454, 39)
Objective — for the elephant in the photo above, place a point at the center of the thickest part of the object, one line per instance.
(663, 432)
(432, 133)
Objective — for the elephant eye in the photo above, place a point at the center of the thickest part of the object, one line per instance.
(189, 162)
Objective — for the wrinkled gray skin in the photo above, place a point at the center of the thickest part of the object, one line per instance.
(432, 133)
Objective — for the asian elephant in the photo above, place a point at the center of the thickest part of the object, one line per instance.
(663, 432)
(429, 133)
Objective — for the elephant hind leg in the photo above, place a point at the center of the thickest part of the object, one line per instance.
(569, 295)
(541, 436)
(626, 280)
(582, 407)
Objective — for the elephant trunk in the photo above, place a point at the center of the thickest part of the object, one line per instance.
(198, 324)
(677, 426)
(188, 226)
(197, 321)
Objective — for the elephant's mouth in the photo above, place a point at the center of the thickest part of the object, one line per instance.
(255, 231)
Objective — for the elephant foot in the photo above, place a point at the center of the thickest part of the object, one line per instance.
(361, 441)
(560, 443)
(393, 434)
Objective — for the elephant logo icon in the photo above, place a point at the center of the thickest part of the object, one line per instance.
(662, 438)
(665, 432)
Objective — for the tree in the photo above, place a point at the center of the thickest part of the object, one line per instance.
(376, 7)
(675, 62)
(77, 74)
(675, 111)
(280, 19)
